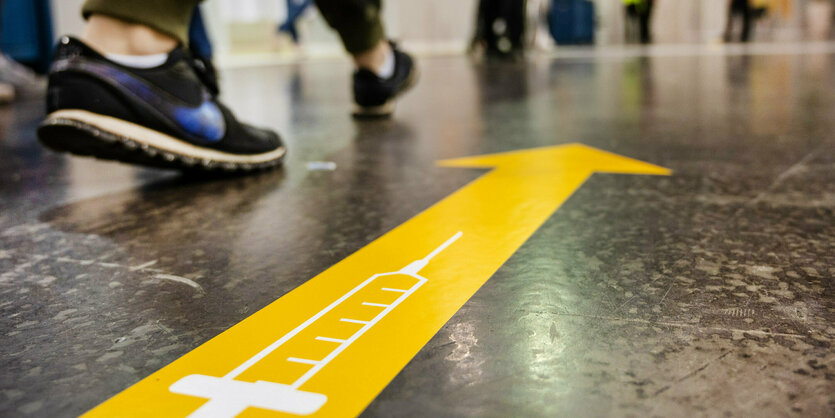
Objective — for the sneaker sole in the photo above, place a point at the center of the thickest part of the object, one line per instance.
(386, 109)
(90, 134)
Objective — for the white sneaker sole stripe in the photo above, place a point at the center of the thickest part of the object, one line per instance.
(159, 140)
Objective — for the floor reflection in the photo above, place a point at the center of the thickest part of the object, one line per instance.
(634, 285)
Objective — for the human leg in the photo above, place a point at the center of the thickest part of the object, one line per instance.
(295, 8)
(116, 36)
(631, 23)
(383, 71)
(358, 23)
(747, 21)
(106, 100)
(645, 20)
(360, 27)
(167, 17)
(6, 89)
(729, 23)
(17, 80)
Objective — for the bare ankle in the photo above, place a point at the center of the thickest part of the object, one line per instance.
(374, 58)
(114, 36)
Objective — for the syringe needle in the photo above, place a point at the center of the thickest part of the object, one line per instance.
(418, 265)
(444, 246)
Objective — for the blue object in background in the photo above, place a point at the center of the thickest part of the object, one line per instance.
(572, 22)
(26, 32)
(295, 8)
(198, 39)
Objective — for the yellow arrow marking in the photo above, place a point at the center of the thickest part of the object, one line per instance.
(331, 345)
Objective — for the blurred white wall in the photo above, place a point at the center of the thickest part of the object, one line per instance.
(432, 23)
(66, 16)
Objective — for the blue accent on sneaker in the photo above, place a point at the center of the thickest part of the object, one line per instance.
(203, 123)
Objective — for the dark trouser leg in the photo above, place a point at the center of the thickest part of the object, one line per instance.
(747, 22)
(358, 22)
(167, 16)
(729, 25)
(631, 24)
(514, 13)
(294, 11)
(646, 16)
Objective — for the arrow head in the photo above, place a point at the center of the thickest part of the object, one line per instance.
(559, 159)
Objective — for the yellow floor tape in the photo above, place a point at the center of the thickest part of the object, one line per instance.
(330, 346)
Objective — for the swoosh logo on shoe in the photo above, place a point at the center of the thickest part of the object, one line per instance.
(203, 123)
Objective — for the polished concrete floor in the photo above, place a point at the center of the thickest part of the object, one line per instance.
(706, 293)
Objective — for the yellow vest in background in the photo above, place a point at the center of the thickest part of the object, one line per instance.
(639, 4)
(783, 7)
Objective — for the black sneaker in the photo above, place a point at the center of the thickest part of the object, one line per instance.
(375, 96)
(166, 116)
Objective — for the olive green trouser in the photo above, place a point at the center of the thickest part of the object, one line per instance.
(357, 21)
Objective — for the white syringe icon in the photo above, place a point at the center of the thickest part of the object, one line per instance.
(229, 397)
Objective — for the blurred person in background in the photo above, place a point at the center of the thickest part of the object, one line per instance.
(639, 17)
(500, 26)
(17, 80)
(744, 10)
(130, 90)
(295, 9)
(6, 93)
(25, 82)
